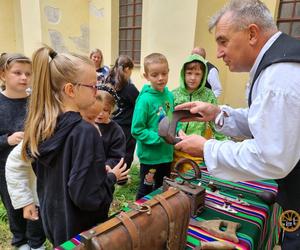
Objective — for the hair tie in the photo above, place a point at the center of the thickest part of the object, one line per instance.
(52, 54)
(111, 91)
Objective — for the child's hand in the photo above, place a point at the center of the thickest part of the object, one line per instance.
(30, 212)
(119, 170)
(15, 138)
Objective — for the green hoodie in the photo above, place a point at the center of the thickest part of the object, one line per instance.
(150, 107)
(181, 95)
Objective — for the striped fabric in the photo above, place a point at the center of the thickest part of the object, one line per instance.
(259, 221)
(70, 244)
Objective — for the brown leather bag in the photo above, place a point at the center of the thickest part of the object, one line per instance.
(159, 223)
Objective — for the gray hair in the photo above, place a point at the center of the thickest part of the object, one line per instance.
(246, 12)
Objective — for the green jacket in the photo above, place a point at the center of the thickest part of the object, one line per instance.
(150, 107)
(181, 95)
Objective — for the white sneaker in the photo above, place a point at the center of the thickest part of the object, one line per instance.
(23, 247)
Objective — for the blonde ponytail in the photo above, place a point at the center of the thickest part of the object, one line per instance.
(50, 72)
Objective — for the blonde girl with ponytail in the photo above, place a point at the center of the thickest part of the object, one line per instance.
(74, 187)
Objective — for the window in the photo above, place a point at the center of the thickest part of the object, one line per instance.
(130, 23)
(289, 17)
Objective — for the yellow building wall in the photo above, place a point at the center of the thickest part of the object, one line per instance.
(65, 25)
(29, 27)
(169, 28)
(104, 28)
(17, 13)
(172, 27)
(7, 27)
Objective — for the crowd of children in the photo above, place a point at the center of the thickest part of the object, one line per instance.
(59, 162)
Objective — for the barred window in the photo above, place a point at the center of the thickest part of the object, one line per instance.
(130, 23)
(289, 17)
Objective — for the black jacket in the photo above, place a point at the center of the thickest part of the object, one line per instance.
(114, 142)
(210, 66)
(74, 189)
(123, 114)
(12, 117)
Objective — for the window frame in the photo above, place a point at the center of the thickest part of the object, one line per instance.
(289, 20)
(130, 33)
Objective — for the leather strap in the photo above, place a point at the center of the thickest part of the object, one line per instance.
(131, 228)
(170, 214)
(115, 222)
(186, 203)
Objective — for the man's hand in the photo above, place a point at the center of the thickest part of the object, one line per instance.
(30, 212)
(208, 111)
(191, 144)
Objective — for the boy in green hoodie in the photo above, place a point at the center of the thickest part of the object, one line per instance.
(192, 81)
(154, 102)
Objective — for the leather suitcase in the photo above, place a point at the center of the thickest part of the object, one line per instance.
(194, 192)
(160, 223)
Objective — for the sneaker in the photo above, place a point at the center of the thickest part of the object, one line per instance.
(23, 247)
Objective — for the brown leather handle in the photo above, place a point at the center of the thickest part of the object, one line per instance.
(193, 164)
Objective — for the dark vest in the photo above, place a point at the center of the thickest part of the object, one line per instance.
(209, 67)
(284, 49)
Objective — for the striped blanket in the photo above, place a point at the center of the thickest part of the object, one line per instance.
(259, 227)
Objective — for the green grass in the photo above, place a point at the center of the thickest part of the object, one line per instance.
(4, 230)
(123, 197)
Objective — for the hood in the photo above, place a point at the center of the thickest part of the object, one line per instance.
(49, 149)
(189, 59)
(148, 89)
